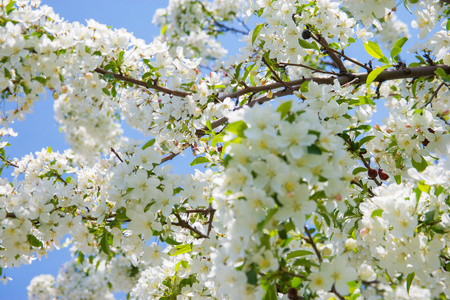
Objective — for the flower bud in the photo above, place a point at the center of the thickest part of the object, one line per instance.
(372, 173)
(306, 34)
(350, 244)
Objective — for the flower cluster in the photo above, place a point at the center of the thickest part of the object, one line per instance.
(300, 198)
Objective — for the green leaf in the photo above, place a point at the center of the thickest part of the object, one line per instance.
(395, 51)
(298, 253)
(400, 42)
(398, 179)
(374, 74)
(377, 213)
(208, 124)
(409, 280)
(359, 170)
(271, 293)
(365, 140)
(284, 108)
(237, 128)
(256, 32)
(420, 166)
(106, 91)
(49, 150)
(199, 160)
(314, 149)
(10, 7)
(217, 139)
(373, 49)
(304, 262)
(182, 249)
(34, 241)
(148, 144)
(441, 73)
(104, 244)
(171, 241)
(447, 25)
(307, 45)
(252, 278)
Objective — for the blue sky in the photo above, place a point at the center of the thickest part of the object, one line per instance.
(40, 129)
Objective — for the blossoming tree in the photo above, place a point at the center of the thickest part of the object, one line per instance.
(301, 197)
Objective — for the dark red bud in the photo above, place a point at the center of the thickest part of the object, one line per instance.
(384, 176)
(372, 173)
(306, 34)
(425, 142)
(219, 148)
(431, 130)
(292, 293)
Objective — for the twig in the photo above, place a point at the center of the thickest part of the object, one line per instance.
(366, 164)
(434, 95)
(184, 224)
(143, 83)
(369, 190)
(333, 290)
(169, 157)
(337, 61)
(211, 218)
(117, 154)
(8, 162)
(276, 75)
(226, 28)
(313, 244)
(308, 67)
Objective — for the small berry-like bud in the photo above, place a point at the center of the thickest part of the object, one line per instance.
(425, 142)
(306, 34)
(431, 130)
(372, 173)
(383, 176)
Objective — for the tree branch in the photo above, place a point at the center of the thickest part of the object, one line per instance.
(434, 95)
(337, 61)
(310, 241)
(143, 83)
(276, 75)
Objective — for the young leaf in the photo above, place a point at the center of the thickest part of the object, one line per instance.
(373, 49)
(182, 249)
(256, 32)
(298, 253)
(199, 160)
(400, 42)
(148, 144)
(409, 280)
(419, 166)
(374, 74)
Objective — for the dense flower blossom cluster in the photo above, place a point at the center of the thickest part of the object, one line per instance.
(300, 198)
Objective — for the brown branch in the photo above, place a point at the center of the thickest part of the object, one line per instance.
(143, 83)
(117, 154)
(8, 162)
(389, 74)
(276, 75)
(211, 218)
(434, 95)
(293, 274)
(184, 224)
(369, 190)
(333, 290)
(337, 61)
(308, 67)
(310, 241)
(169, 157)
